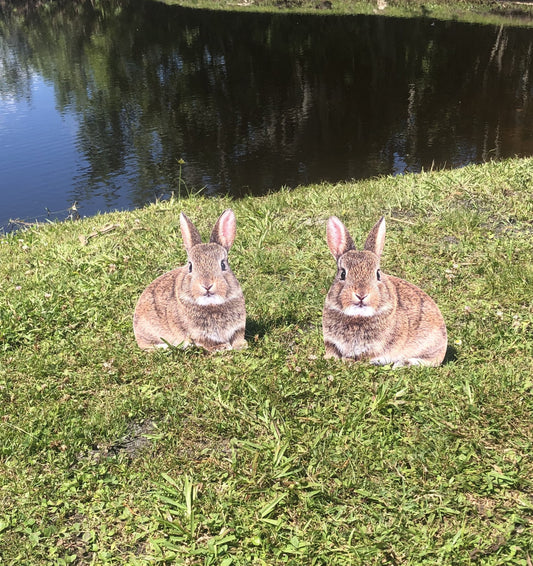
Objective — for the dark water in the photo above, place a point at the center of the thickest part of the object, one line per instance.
(100, 100)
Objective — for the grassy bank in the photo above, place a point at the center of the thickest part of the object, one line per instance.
(473, 11)
(272, 455)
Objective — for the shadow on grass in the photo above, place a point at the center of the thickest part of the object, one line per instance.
(261, 327)
(451, 355)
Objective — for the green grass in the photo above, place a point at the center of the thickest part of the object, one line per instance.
(472, 11)
(272, 455)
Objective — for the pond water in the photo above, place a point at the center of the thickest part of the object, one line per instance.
(102, 102)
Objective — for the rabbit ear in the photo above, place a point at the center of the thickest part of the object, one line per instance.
(189, 233)
(224, 231)
(339, 239)
(376, 238)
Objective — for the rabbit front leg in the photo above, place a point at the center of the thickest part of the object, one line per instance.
(238, 342)
(332, 351)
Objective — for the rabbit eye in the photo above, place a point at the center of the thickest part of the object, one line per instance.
(343, 274)
(378, 275)
(223, 265)
(190, 267)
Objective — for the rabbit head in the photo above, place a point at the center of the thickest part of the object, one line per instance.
(208, 279)
(357, 283)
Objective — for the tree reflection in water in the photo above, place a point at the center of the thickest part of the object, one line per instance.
(254, 102)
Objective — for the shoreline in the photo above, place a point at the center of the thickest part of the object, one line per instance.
(488, 13)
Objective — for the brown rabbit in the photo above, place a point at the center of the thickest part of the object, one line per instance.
(376, 317)
(200, 303)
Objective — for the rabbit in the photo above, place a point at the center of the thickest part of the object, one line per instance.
(371, 316)
(200, 303)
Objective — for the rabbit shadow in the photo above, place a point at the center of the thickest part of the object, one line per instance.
(257, 329)
(450, 356)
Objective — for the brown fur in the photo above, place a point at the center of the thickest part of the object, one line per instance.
(385, 320)
(200, 303)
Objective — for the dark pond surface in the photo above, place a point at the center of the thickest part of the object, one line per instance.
(99, 103)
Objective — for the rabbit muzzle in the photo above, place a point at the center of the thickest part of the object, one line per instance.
(207, 293)
(359, 308)
(358, 303)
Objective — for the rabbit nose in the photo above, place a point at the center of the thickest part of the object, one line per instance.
(361, 297)
(208, 287)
